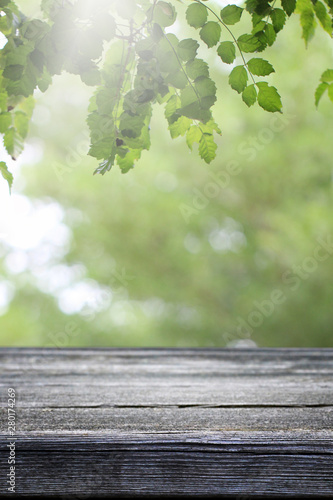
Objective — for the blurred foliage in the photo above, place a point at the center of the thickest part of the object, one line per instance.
(178, 253)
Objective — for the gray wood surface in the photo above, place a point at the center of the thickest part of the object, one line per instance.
(181, 422)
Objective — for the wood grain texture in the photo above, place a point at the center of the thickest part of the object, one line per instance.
(169, 422)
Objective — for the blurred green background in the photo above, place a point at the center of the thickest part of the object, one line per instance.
(176, 253)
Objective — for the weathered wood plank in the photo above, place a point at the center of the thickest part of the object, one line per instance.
(170, 421)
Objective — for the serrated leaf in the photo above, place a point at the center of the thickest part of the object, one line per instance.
(278, 18)
(196, 15)
(27, 105)
(323, 17)
(256, 19)
(249, 95)
(270, 34)
(249, 43)
(91, 77)
(131, 125)
(127, 161)
(268, 97)
(330, 91)
(180, 126)
(178, 79)
(251, 6)
(238, 78)
(207, 148)
(210, 33)
(13, 72)
(21, 121)
(320, 92)
(227, 52)
(164, 14)
(5, 121)
(44, 81)
(18, 56)
(196, 68)
(3, 101)
(13, 143)
(231, 14)
(288, 6)
(206, 89)
(187, 49)
(171, 106)
(102, 148)
(210, 126)
(307, 19)
(6, 174)
(260, 67)
(105, 166)
(327, 76)
(193, 135)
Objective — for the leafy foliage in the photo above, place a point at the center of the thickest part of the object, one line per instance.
(128, 52)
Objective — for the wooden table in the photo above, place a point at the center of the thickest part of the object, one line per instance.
(143, 422)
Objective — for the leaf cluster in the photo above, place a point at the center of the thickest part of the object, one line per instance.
(127, 51)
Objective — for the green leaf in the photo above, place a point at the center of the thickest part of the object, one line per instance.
(92, 77)
(320, 92)
(180, 126)
(178, 79)
(131, 125)
(227, 52)
(206, 89)
(288, 6)
(251, 6)
(210, 33)
(5, 122)
(164, 14)
(106, 165)
(307, 19)
(327, 76)
(13, 143)
(45, 81)
(21, 121)
(260, 67)
(270, 34)
(330, 91)
(210, 126)
(196, 15)
(278, 17)
(6, 174)
(28, 106)
(197, 101)
(268, 97)
(231, 14)
(187, 49)
(249, 95)
(126, 162)
(102, 148)
(172, 105)
(323, 17)
(193, 135)
(196, 68)
(238, 78)
(249, 43)
(19, 54)
(13, 72)
(3, 101)
(207, 148)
